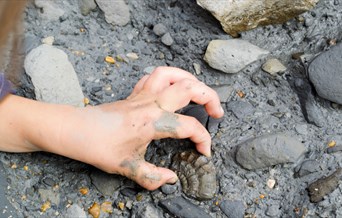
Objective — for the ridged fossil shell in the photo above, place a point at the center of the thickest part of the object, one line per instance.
(197, 174)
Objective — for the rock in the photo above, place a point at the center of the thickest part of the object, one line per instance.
(271, 183)
(49, 195)
(167, 39)
(116, 11)
(197, 68)
(324, 186)
(307, 167)
(159, 29)
(53, 76)
(51, 11)
(269, 150)
(180, 207)
(233, 208)
(86, 6)
(169, 189)
(241, 15)
(132, 56)
(240, 109)
(75, 211)
(231, 56)
(105, 183)
(334, 149)
(129, 192)
(273, 66)
(314, 113)
(148, 211)
(48, 40)
(224, 92)
(273, 211)
(326, 75)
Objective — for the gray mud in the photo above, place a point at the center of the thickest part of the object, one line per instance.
(192, 29)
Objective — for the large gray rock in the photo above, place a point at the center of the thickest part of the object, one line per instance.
(53, 76)
(269, 150)
(241, 15)
(86, 6)
(231, 56)
(51, 10)
(326, 75)
(116, 11)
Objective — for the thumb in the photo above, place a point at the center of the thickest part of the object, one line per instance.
(152, 177)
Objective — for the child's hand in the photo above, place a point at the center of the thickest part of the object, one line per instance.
(114, 137)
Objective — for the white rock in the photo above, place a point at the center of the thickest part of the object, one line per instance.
(116, 11)
(132, 56)
(53, 76)
(51, 10)
(197, 68)
(273, 66)
(271, 183)
(48, 40)
(231, 56)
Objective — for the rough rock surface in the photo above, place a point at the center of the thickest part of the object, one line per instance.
(233, 208)
(326, 75)
(231, 56)
(105, 183)
(269, 150)
(86, 6)
(180, 207)
(241, 15)
(53, 76)
(116, 11)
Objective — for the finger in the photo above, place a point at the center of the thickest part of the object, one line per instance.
(181, 93)
(171, 125)
(150, 176)
(163, 77)
(139, 86)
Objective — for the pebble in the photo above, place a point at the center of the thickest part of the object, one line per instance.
(273, 211)
(231, 56)
(233, 208)
(314, 113)
(271, 183)
(116, 14)
(48, 40)
(268, 150)
(324, 186)
(167, 39)
(49, 195)
(159, 29)
(75, 211)
(223, 91)
(132, 56)
(326, 75)
(51, 11)
(180, 207)
(273, 66)
(86, 6)
(197, 68)
(169, 189)
(105, 183)
(307, 167)
(53, 76)
(240, 109)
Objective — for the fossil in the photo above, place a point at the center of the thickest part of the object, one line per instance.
(197, 174)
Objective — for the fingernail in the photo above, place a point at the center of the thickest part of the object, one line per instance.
(172, 180)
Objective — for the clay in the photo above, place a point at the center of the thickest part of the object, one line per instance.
(196, 173)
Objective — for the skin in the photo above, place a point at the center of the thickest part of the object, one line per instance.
(114, 137)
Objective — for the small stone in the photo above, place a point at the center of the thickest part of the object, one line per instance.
(314, 113)
(121, 205)
(105, 183)
(149, 70)
(26, 168)
(273, 66)
(51, 11)
(95, 210)
(139, 197)
(224, 92)
(331, 143)
(86, 6)
(167, 39)
(271, 183)
(107, 207)
(169, 189)
(75, 211)
(326, 75)
(197, 68)
(273, 211)
(129, 204)
(48, 40)
(180, 207)
(86, 101)
(269, 150)
(233, 208)
(49, 181)
(159, 29)
(306, 168)
(232, 56)
(50, 196)
(110, 60)
(240, 109)
(45, 206)
(116, 13)
(132, 56)
(84, 191)
(129, 192)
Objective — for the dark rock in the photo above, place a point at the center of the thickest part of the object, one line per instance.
(240, 109)
(324, 186)
(326, 75)
(48, 181)
(169, 189)
(307, 167)
(334, 149)
(269, 150)
(105, 183)
(180, 207)
(233, 208)
(129, 192)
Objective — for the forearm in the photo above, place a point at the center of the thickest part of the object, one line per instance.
(27, 125)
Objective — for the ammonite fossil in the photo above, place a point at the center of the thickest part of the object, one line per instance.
(197, 174)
